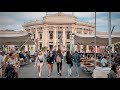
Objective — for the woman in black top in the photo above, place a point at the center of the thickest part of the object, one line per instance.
(50, 63)
(69, 62)
(58, 60)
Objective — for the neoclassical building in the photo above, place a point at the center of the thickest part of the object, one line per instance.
(46, 32)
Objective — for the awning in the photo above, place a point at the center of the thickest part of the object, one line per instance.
(101, 40)
(13, 39)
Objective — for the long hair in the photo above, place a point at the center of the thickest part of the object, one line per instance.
(59, 52)
(68, 54)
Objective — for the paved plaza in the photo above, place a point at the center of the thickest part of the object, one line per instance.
(29, 71)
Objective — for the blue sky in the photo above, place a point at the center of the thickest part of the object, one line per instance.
(14, 20)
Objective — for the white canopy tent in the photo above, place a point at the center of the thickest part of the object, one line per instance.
(101, 40)
(16, 39)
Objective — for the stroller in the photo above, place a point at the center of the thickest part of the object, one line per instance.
(10, 71)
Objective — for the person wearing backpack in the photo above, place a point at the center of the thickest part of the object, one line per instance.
(69, 62)
(59, 58)
(39, 62)
(76, 60)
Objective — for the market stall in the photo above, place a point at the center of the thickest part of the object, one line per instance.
(101, 40)
(16, 39)
(87, 64)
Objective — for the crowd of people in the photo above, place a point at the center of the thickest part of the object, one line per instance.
(11, 62)
(104, 61)
(57, 56)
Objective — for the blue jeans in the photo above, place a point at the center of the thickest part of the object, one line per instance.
(77, 69)
(69, 69)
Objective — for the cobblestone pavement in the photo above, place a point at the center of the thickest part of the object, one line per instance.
(29, 71)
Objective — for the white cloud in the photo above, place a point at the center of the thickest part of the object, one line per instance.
(7, 20)
(31, 15)
(84, 14)
(13, 20)
(16, 27)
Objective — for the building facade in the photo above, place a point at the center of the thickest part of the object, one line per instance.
(47, 32)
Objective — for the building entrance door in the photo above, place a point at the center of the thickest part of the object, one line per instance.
(51, 47)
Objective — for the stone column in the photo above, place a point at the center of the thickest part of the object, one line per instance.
(43, 38)
(87, 48)
(63, 39)
(46, 36)
(36, 33)
(73, 28)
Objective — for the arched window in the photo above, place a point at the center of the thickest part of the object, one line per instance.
(68, 34)
(51, 34)
(59, 34)
(40, 35)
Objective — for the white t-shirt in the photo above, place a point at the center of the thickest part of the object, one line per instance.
(104, 62)
(1, 60)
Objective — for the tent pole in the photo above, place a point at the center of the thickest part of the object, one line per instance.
(95, 41)
(24, 43)
(109, 24)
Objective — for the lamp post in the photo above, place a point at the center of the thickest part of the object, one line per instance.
(95, 42)
(72, 42)
(109, 47)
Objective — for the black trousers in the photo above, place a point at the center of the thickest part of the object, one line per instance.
(59, 67)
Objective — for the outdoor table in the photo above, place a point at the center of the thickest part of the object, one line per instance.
(87, 61)
(101, 72)
(88, 68)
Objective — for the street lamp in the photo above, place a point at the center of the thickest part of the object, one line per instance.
(72, 42)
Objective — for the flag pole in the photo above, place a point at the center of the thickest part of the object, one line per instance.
(109, 24)
(95, 41)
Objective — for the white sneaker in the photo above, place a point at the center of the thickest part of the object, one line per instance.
(39, 75)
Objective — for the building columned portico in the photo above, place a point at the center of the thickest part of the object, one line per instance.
(48, 30)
